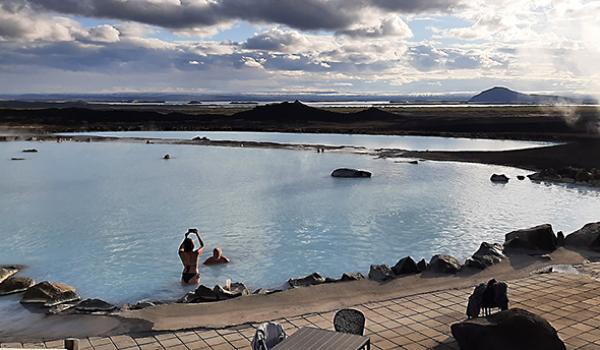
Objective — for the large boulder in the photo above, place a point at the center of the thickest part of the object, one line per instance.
(309, 280)
(50, 294)
(405, 266)
(7, 272)
(95, 305)
(444, 264)
(16, 284)
(540, 237)
(380, 273)
(488, 254)
(345, 172)
(514, 329)
(587, 237)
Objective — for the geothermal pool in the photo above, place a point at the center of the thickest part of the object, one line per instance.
(107, 218)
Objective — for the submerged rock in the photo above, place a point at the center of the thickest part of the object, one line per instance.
(16, 284)
(30, 150)
(16, 158)
(61, 308)
(265, 291)
(6, 272)
(514, 329)
(405, 266)
(500, 178)
(309, 280)
(50, 294)
(380, 273)
(488, 254)
(95, 305)
(587, 237)
(444, 264)
(167, 156)
(345, 172)
(142, 304)
(352, 276)
(535, 238)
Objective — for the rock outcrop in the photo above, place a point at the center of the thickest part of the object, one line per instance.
(514, 329)
(569, 175)
(444, 264)
(405, 266)
(309, 280)
(499, 178)
(7, 272)
(539, 238)
(50, 294)
(380, 273)
(587, 237)
(345, 172)
(15, 284)
(488, 254)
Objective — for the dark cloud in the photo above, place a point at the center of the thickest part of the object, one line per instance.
(300, 14)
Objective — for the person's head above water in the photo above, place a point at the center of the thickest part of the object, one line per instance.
(188, 245)
(217, 253)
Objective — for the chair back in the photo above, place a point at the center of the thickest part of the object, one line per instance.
(267, 336)
(349, 321)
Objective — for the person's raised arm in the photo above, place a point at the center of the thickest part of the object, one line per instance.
(200, 240)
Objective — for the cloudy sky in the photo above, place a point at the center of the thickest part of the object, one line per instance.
(297, 46)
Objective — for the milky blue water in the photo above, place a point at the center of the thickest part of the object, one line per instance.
(107, 218)
(416, 143)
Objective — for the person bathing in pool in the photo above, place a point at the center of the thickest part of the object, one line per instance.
(217, 258)
(189, 258)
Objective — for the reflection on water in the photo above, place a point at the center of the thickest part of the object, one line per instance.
(108, 217)
(415, 143)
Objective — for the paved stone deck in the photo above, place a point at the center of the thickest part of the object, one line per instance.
(570, 302)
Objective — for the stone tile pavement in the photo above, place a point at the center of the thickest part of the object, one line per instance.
(570, 302)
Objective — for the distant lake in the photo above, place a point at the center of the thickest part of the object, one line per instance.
(416, 143)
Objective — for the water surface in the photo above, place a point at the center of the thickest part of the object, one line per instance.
(107, 218)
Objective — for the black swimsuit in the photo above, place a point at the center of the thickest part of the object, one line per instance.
(186, 277)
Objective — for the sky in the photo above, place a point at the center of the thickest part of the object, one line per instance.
(383, 47)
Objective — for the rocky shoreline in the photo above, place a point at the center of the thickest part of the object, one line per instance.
(59, 298)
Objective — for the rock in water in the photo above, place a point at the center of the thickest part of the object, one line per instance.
(405, 266)
(6, 272)
(521, 177)
(444, 264)
(309, 280)
(30, 150)
(345, 172)
(15, 284)
(422, 265)
(50, 294)
(500, 178)
(488, 254)
(514, 329)
(167, 156)
(380, 273)
(587, 237)
(352, 276)
(95, 305)
(536, 238)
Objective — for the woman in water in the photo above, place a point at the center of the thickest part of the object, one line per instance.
(189, 258)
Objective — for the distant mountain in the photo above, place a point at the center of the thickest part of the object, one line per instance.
(287, 111)
(502, 95)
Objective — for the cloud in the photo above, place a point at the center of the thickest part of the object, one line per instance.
(195, 14)
(389, 27)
